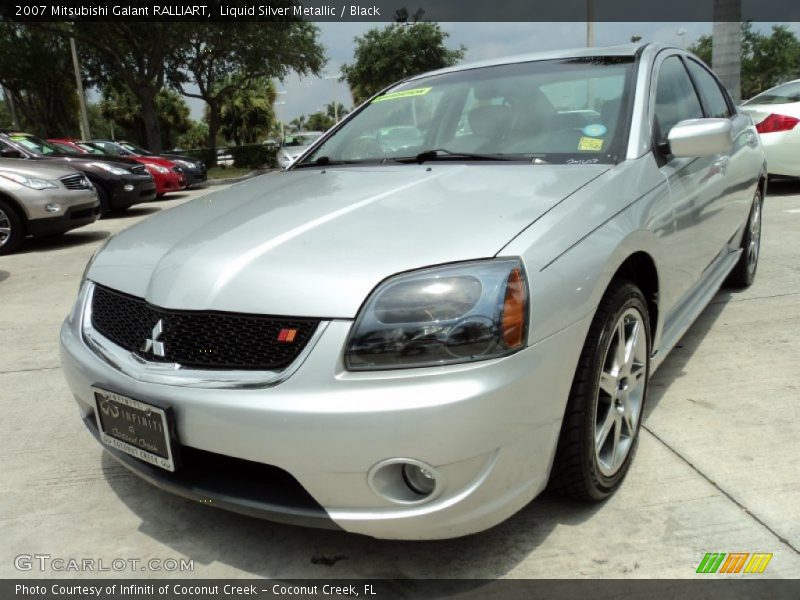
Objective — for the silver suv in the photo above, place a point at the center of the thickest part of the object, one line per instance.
(41, 200)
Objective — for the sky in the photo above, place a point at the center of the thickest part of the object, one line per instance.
(299, 96)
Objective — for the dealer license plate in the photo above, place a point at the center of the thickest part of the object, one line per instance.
(135, 427)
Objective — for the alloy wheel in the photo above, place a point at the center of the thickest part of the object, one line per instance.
(620, 394)
(5, 228)
(754, 248)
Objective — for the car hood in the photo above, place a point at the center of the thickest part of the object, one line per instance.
(154, 160)
(35, 169)
(315, 242)
(86, 159)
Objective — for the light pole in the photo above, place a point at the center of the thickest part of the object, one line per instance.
(682, 34)
(589, 23)
(335, 77)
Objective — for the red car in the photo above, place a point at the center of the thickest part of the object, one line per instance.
(167, 175)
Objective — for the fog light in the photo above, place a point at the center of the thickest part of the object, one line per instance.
(52, 208)
(128, 187)
(405, 481)
(419, 479)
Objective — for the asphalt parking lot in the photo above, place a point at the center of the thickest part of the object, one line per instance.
(717, 470)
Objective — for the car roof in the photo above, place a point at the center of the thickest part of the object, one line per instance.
(618, 50)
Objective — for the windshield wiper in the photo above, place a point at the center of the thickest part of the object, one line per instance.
(324, 161)
(445, 154)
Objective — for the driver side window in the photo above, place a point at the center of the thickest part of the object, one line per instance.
(676, 98)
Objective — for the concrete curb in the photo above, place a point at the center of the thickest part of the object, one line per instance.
(230, 180)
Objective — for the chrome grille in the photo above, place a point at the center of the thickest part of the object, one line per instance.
(76, 182)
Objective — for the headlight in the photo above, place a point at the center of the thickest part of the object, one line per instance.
(442, 315)
(156, 168)
(31, 182)
(110, 168)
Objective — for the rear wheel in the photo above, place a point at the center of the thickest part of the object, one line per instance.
(744, 273)
(604, 411)
(12, 229)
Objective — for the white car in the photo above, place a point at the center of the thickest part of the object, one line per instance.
(776, 114)
(294, 145)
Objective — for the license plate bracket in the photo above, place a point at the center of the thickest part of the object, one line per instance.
(137, 428)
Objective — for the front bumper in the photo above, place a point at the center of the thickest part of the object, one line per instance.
(489, 429)
(143, 189)
(72, 218)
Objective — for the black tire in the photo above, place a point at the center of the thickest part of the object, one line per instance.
(576, 469)
(10, 219)
(744, 273)
(104, 197)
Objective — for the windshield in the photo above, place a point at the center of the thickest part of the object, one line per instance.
(90, 148)
(34, 144)
(301, 139)
(135, 149)
(557, 111)
(782, 94)
(66, 149)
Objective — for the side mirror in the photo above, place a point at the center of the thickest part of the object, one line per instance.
(11, 153)
(700, 137)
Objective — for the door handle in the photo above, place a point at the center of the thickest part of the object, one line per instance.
(722, 163)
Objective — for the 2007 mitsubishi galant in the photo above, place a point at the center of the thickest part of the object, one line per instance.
(452, 299)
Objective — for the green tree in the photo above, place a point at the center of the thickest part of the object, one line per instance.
(319, 121)
(36, 69)
(134, 57)
(298, 123)
(767, 60)
(248, 115)
(222, 60)
(195, 137)
(124, 110)
(336, 110)
(384, 56)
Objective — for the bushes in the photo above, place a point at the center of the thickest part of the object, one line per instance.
(253, 156)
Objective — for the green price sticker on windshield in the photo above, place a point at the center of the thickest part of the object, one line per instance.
(404, 94)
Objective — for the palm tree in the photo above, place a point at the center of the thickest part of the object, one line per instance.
(298, 123)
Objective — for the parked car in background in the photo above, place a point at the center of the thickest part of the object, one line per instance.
(776, 113)
(120, 183)
(414, 343)
(168, 176)
(224, 157)
(294, 145)
(42, 199)
(195, 170)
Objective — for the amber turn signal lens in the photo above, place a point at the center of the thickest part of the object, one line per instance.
(514, 310)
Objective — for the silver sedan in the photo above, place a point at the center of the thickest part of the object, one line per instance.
(413, 341)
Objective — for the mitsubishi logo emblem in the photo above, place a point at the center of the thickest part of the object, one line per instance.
(152, 343)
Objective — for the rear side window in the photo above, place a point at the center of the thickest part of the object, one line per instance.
(713, 100)
(676, 99)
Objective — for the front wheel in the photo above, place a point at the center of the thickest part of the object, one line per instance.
(744, 273)
(604, 410)
(12, 229)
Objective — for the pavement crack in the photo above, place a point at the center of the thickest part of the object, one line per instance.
(724, 492)
(29, 370)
